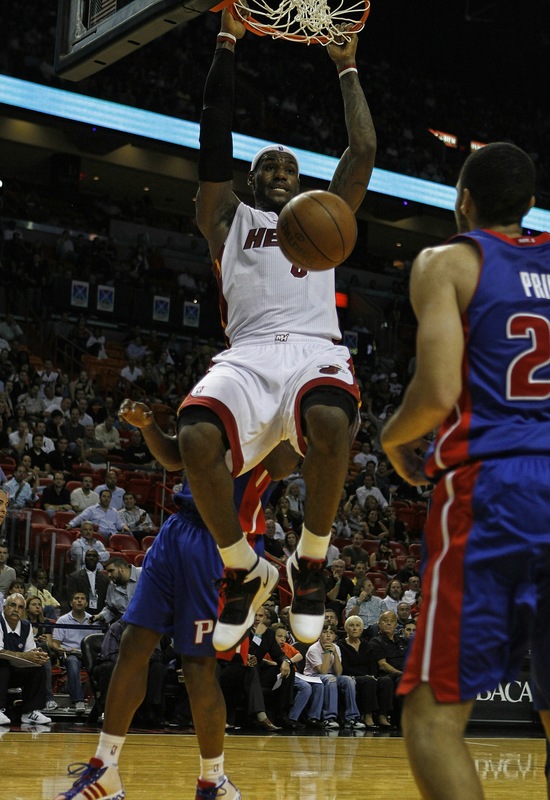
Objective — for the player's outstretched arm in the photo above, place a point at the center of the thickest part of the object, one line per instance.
(216, 202)
(354, 169)
(164, 448)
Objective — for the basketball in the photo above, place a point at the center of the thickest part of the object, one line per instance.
(316, 230)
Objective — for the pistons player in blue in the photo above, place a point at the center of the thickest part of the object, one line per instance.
(482, 381)
(177, 595)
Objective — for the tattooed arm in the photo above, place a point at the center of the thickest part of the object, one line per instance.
(354, 169)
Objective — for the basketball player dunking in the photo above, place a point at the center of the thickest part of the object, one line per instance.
(483, 376)
(282, 378)
(176, 595)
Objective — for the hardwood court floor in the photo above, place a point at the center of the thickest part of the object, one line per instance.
(268, 767)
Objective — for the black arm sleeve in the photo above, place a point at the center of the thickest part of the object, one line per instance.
(216, 143)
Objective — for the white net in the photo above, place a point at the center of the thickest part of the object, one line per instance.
(308, 21)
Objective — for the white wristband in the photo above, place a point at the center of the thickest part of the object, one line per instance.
(228, 36)
(345, 71)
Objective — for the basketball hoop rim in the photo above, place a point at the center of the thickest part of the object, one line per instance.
(263, 29)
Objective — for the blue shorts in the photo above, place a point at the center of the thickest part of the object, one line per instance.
(485, 582)
(176, 594)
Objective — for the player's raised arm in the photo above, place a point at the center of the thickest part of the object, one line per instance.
(216, 202)
(354, 169)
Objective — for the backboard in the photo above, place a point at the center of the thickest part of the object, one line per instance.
(92, 34)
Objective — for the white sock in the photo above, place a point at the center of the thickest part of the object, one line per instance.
(212, 769)
(108, 749)
(239, 555)
(312, 546)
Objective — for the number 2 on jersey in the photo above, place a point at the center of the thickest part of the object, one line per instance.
(521, 383)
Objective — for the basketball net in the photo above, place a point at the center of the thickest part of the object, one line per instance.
(305, 21)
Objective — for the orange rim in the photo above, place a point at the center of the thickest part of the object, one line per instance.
(263, 29)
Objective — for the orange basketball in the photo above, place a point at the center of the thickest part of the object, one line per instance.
(316, 230)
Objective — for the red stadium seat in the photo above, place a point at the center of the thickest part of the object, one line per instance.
(147, 541)
(61, 518)
(415, 550)
(123, 541)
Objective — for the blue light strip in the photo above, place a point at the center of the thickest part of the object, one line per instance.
(105, 114)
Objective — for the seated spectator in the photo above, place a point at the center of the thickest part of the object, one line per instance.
(108, 435)
(84, 496)
(370, 490)
(151, 710)
(148, 383)
(397, 531)
(359, 570)
(7, 574)
(39, 588)
(18, 490)
(117, 492)
(375, 528)
(101, 514)
(272, 545)
(403, 615)
(95, 345)
(61, 459)
(290, 543)
(52, 403)
(365, 455)
(408, 571)
(282, 513)
(414, 587)
(82, 386)
(32, 402)
(338, 588)
(383, 560)
(17, 642)
(137, 453)
(271, 662)
(389, 651)
(364, 603)
(87, 541)
(40, 462)
(238, 678)
(374, 695)
(42, 633)
(354, 552)
(48, 445)
(124, 578)
(56, 496)
(303, 690)
(136, 518)
(295, 506)
(67, 645)
(333, 552)
(92, 451)
(91, 580)
(20, 439)
(323, 660)
(394, 595)
(74, 431)
(130, 373)
(17, 586)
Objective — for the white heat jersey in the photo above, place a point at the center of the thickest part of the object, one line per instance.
(262, 295)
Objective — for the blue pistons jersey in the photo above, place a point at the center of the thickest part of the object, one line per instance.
(504, 407)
